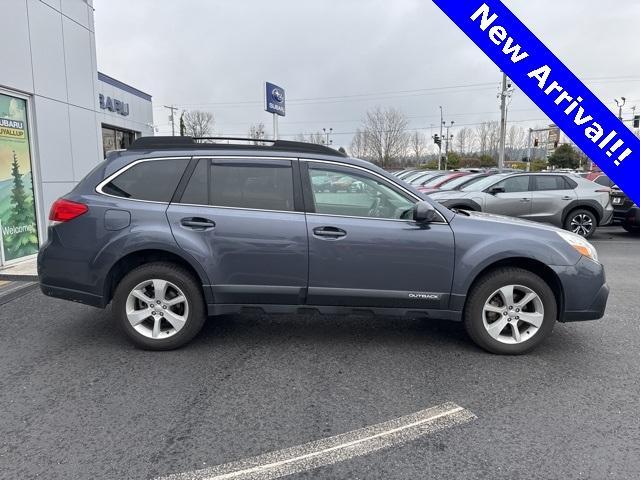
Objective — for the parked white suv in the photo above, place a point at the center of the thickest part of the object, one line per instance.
(562, 200)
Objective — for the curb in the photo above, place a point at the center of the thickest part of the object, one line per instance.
(18, 291)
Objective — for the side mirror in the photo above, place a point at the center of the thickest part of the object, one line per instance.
(496, 190)
(424, 212)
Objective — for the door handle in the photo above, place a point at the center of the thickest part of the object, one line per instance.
(525, 200)
(197, 223)
(329, 232)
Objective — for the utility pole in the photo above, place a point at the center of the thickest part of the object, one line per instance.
(440, 145)
(172, 118)
(620, 103)
(327, 134)
(504, 93)
(446, 149)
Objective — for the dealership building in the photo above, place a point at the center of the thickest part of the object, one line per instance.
(58, 114)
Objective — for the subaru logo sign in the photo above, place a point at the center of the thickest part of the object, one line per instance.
(274, 99)
(278, 95)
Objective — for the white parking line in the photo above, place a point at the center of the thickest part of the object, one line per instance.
(335, 449)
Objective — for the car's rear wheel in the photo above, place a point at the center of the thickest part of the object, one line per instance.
(510, 311)
(632, 229)
(159, 306)
(582, 222)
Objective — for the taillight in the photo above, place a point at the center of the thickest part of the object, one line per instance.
(64, 210)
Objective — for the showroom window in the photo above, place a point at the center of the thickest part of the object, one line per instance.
(116, 138)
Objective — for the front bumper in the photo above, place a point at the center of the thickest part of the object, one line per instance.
(585, 291)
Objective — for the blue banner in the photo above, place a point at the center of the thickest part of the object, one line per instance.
(552, 87)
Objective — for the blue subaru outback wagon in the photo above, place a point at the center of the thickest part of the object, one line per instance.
(174, 230)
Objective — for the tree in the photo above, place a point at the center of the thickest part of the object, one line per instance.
(453, 160)
(386, 136)
(198, 123)
(418, 146)
(565, 156)
(318, 138)
(464, 141)
(256, 131)
(358, 146)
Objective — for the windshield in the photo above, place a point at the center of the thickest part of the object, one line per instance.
(422, 179)
(484, 183)
(433, 181)
(456, 182)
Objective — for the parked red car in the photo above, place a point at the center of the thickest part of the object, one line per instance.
(436, 183)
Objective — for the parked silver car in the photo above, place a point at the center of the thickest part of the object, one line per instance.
(562, 200)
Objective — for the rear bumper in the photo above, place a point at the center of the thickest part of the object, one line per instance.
(630, 216)
(78, 296)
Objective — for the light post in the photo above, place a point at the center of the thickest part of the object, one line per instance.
(440, 144)
(327, 133)
(446, 149)
(620, 103)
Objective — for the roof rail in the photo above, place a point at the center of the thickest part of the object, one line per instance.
(215, 143)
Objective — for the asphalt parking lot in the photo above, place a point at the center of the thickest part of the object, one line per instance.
(77, 401)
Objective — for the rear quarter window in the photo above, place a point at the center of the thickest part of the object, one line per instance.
(151, 180)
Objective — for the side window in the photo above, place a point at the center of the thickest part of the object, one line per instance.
(154, 180)
(262, 185)
(550, 182)
(355, 195)
(515, 184)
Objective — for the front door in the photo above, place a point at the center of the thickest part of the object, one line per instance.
(239, 217)
(363, 249)
(513, 201)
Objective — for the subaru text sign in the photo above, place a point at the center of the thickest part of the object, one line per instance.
(274, 99)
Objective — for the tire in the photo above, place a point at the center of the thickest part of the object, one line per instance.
(632, 229)
(177, 323)
(582, 222)
(541, 310)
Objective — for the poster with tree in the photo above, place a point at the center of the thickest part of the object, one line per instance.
(17, 210)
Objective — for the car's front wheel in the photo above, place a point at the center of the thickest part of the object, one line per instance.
(583, 222)
(510, 311)
(159, 306)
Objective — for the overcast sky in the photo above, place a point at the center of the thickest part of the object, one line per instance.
(338, 58)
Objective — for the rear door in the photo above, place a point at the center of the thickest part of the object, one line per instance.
(551, 194)
(243, 220)
(515, 201)
(365, 251)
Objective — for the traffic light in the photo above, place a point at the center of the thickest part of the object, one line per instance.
(437, 140)
(536, 143)
(636, 121)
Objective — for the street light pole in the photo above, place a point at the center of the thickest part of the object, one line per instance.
(440, 146)
(620, 104)
(327, 133)
(446, 149)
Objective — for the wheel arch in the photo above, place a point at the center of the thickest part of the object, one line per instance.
(534, 266)
(591, 206)
(140, 257)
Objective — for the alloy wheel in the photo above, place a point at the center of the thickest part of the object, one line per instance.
(513, 314)
(582, 224)
(157, 309)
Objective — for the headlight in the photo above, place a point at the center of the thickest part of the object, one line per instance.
(580, 245)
